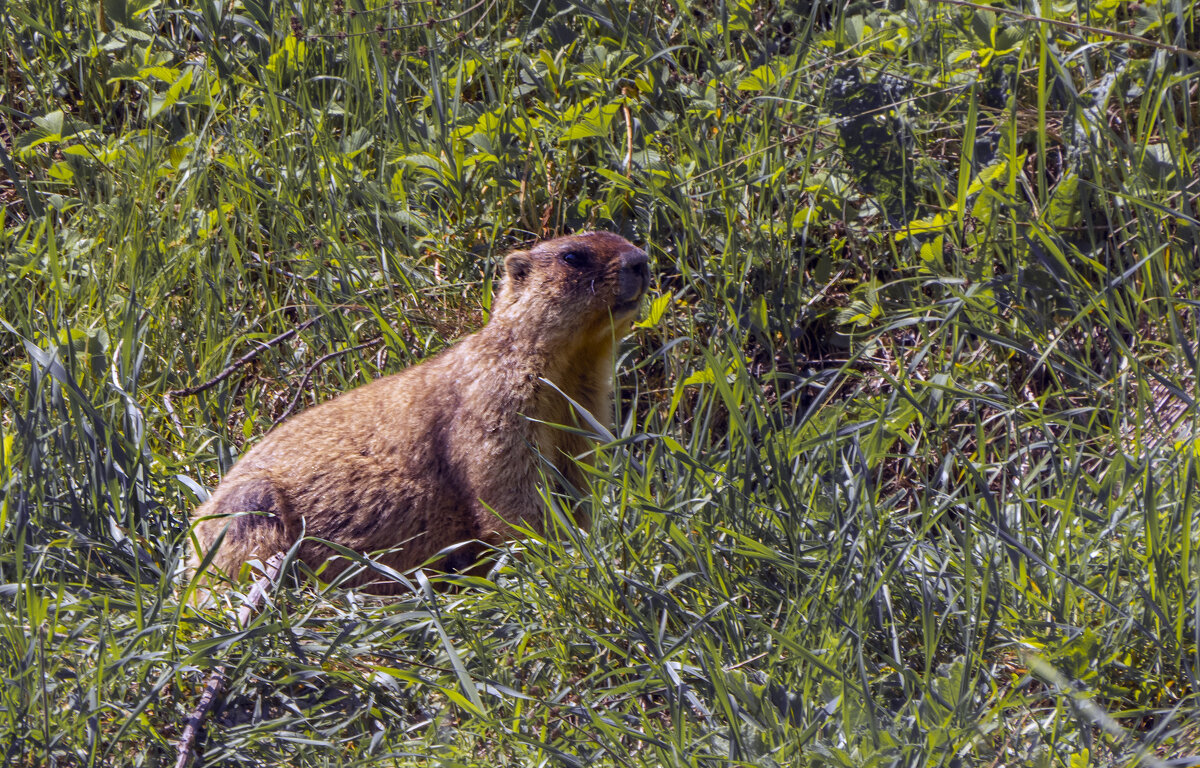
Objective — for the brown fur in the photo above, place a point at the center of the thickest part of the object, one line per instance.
(443, 452)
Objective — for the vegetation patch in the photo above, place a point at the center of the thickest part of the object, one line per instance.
(904, 461)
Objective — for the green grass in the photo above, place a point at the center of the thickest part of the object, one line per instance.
(905, 456)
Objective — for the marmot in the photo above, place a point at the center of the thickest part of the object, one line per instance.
(446, 451)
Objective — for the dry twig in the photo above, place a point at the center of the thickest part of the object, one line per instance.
(229, 369)
(308, 374)
(216, 680)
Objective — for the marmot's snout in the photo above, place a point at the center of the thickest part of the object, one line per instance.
(633, 279)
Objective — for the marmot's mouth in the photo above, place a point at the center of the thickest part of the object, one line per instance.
(626, 307)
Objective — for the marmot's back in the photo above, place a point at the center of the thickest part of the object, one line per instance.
(442, 452)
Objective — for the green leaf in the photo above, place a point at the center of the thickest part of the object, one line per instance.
(764, 77)
(589, 122)
(658, 306)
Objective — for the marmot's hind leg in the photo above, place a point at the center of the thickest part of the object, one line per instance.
(252, 514)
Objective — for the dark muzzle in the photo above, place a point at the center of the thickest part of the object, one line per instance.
(633, 279)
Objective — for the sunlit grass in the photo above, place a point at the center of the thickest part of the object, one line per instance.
(904, 464)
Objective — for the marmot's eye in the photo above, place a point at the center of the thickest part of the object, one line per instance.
(575, 259)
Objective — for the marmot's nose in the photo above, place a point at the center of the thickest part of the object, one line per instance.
(637, 263)
(634, 277)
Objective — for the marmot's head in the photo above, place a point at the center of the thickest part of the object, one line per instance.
(581, 284)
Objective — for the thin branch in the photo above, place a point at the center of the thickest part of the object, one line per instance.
(229, 370)
(307, 374)
(628, 139)
(216, 680)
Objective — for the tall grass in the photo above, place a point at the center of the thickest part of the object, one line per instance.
(904, 460)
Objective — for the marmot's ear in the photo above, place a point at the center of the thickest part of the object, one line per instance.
(516, 267)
